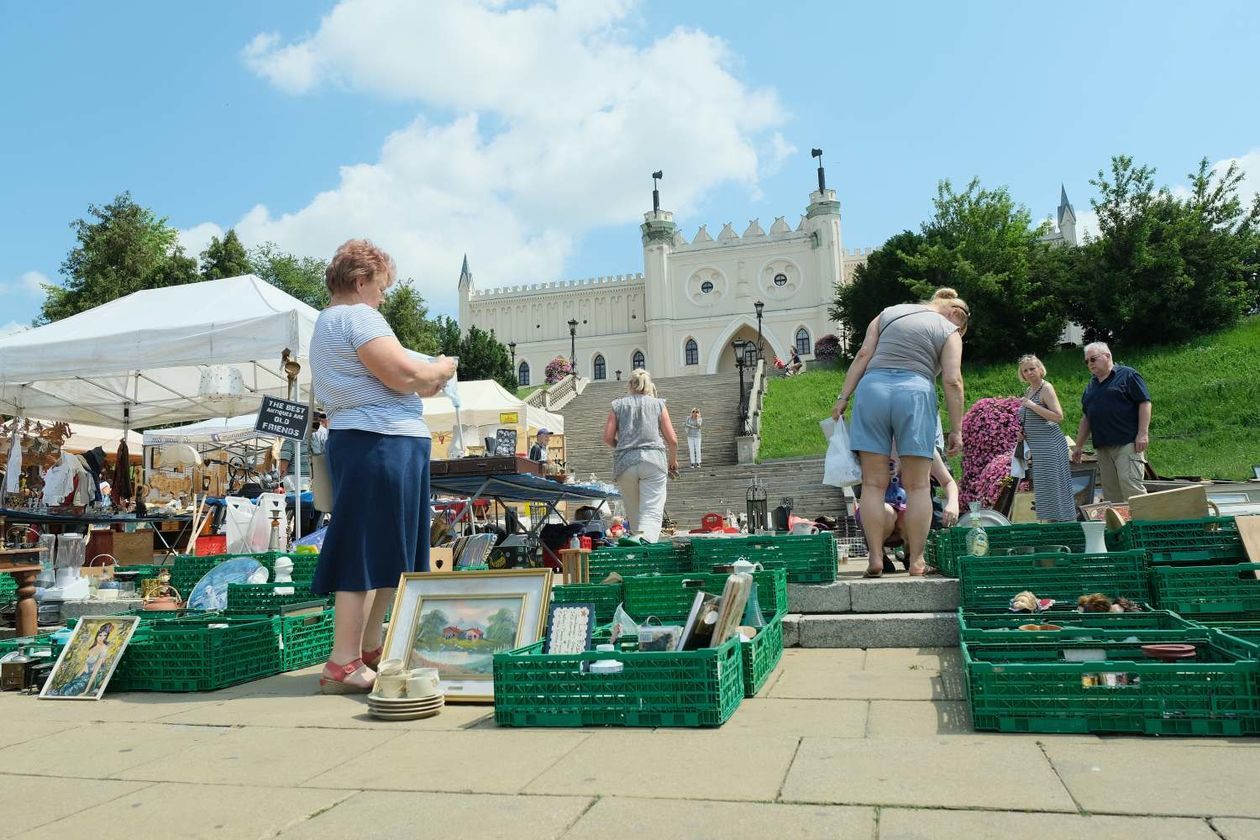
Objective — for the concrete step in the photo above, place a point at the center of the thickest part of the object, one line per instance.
(871, 630)
(883, 595)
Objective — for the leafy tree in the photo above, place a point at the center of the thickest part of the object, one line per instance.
(121, 249)
(885, 279)
(501, 628)
(481, 356)
(224, 258)
(408, 317)
(431, 625)
(302, 277)
(1166, 268)
(446, 330)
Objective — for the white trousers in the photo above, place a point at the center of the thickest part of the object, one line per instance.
(693, 449)
(642, 489)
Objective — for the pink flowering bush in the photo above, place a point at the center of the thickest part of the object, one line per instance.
(557, 369)
(989, 429)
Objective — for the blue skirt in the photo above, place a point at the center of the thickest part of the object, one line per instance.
(380, 515)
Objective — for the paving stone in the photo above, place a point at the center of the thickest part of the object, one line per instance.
(879, 630)
(471, 761)
(1159, 777)
(819, 597)
(1233, 829)
(904, 595)
(797, 718)
(32, 801)
(30, 730)
(671, 765)
(379, 815)
(615, 818)
(248, 756)
(918, 719)
(841, 680)
(103, 750)
(955, 773)
(194, 811)
(333, 711)
(134, 706)
(924, 824)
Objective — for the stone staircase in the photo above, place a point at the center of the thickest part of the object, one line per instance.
(714, 489)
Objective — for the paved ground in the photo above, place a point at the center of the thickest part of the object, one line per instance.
(842, 744)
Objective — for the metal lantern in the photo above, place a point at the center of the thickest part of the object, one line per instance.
(757, 507)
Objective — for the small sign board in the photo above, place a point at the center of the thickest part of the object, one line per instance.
(505, 442)
(509, 417)
(283, 418)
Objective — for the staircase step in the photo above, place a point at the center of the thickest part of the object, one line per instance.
(884, 595)
(871, 630)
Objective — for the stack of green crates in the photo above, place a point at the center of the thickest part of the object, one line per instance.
(988, 583)
(1111, 685)
(948, 545)
(264, 599)
(605, 596)
(1003, 627)
(198, 654)
(663, 557)
(1212, 539)
(1202, 590)
(808, 558)
(188, 569)
(687, 688)
(306, 635)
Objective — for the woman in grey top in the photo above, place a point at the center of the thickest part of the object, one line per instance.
(645, 453)
(694, 425)
(894, 375)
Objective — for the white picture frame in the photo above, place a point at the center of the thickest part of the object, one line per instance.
(473, 609)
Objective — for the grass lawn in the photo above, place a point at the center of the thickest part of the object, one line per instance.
(1206, 395)
(525, 391)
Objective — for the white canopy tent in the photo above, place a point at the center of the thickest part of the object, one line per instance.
(140, 360)
(84, 438)
(483, 403)
(215, 431)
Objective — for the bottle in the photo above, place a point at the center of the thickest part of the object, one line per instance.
(575, 542)
(977, 539)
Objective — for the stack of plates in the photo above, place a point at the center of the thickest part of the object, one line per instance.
(405, 708)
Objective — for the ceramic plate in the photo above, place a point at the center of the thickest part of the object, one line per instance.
(404, 715)
(406, 705)
(211, 591)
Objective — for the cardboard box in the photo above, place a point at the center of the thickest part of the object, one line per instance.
(133, 549)
(442, 559)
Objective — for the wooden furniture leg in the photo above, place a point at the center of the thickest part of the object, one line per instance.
(26, 621)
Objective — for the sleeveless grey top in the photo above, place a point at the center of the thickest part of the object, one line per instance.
(638, 433)
(912, 342)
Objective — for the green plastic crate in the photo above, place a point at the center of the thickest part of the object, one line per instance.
(189, 654)
(761, 655)
(1003, 627)
(808, 558)
(988, 583)
(605, 596)
(628, 561)
(1213, 539)
(948, 545)
(306, 639)
(696, 688)
(262, 599)
(1207, 590)
(1031, 688)
(669, 597)
(188, 569)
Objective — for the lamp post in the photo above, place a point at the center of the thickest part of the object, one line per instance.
(512, 347)
(738, 346)
(759, 305)
(573, 345)
(618, 375)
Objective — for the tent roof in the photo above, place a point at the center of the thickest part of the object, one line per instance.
(481, 403)
(84, 437)
(216, 430)
(147, 351)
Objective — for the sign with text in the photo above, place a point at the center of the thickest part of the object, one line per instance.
(283, 418)
(506, 417)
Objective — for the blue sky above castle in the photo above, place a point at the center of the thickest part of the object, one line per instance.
(525, 135)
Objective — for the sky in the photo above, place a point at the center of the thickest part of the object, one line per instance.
(524, 134)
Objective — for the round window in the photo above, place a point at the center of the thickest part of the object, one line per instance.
(780, 279)
(706, 286)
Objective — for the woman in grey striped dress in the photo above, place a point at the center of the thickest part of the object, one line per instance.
(1041, 414)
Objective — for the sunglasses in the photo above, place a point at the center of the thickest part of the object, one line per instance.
(1089, 360)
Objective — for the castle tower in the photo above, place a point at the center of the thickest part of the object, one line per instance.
(465, 294)
(1067, 218)
(658, 231)
(822, 223)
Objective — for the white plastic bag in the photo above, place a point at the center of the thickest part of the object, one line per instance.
(841, 468)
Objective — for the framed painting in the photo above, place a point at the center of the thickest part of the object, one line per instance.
(457, 621)
(88, 661)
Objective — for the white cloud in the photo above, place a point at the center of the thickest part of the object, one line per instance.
(559, 117)
(13, 327)
(196, 238)
(33, 282)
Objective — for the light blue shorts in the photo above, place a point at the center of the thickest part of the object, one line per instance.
(892, 404)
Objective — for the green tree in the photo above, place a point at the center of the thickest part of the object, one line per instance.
(302, 277)
(225, 258)
(447, 337)
(1166, 268)
(122, 248)
(501, 628)
(408, 317)
(481, 356)
(431, 625)
(885, 279)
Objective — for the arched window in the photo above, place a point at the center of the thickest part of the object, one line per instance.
(692, 351)
(637, 360)
(601, 370)
(803, 347)
(522, 373)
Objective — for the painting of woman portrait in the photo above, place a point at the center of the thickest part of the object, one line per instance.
(85, 666)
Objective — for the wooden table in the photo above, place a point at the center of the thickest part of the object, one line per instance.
(17, 562)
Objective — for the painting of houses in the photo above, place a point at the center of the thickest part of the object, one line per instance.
(459, 635)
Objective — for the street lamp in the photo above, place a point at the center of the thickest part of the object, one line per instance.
(573, 345)
(512, 347)
(759, 305)
(618, 375)
(739, 346)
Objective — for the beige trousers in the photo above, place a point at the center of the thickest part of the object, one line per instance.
(1121, 470)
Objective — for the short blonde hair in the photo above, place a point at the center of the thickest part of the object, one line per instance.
(640, 382)
(1029, 357)
(949, 299)
(355, 260)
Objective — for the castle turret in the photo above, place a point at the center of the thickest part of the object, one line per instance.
(1067, 218)
(465, 294)
(658, 244)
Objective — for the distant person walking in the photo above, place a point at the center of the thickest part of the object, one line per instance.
(1040, 415)
(645, 453)
(1117, 414)
(693, 425)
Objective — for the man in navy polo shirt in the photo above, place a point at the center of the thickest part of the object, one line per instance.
(1118, 414)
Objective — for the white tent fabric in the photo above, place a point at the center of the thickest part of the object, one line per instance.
(217, 430)
(482, 401)
(140, 358)
(84, 438)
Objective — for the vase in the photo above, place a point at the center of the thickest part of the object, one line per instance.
(1095, 537)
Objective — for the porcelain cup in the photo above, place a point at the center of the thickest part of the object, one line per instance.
(423, 682)
(391, 685)
(390, 666)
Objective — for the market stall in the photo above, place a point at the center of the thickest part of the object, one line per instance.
(485, 408)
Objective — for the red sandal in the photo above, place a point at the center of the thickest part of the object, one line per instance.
(372, 658)
(334, 679)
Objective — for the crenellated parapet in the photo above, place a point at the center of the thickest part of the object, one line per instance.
(780, 231)
(612, 282)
